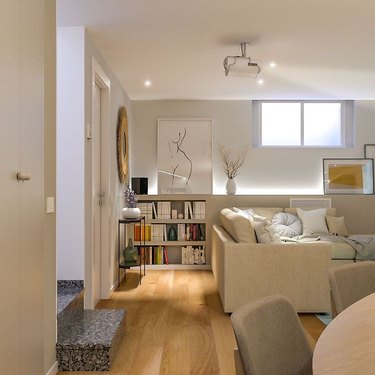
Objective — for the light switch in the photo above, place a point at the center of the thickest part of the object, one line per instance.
(50, 205)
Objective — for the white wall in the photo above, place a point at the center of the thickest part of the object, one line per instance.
(266, 171)
(70, 153)
(75, 53)
(113, 198)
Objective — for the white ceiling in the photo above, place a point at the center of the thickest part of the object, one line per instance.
(323, 48)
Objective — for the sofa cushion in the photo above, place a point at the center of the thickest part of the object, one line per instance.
(313, 221)
(341, 250)
(238, 226)
(267, 212)
(336, 226)
(264, 231)
(287, 225)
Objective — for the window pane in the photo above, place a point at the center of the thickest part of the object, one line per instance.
(322, 124)
(281, 124)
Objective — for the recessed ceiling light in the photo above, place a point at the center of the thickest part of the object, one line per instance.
(147, 82)
(260, 81)
(272, 64)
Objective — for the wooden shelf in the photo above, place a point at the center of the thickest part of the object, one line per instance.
(175, 221)
(173, 243)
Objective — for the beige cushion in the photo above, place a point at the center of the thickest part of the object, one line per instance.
(330, 211)
(238, 226)
(264, 231)
(341, 250)
(336, 226)
(267, 212)
(313, 221)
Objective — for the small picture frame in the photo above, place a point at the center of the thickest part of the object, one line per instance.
(348, 176)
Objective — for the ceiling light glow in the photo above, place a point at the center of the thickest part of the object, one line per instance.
(272, 64)
(260, 81)
(147, 82)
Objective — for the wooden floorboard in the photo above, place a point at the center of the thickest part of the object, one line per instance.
(176, 326)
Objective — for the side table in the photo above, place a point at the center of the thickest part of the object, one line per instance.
(126, 265)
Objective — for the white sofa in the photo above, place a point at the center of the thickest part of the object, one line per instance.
(246, 270)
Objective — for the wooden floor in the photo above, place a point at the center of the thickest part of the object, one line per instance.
(176, 325)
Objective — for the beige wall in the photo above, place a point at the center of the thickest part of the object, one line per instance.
(267, 171)
(74, 160)
(27, 256)
(270, 176)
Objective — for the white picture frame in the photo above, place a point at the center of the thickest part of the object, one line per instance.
(184, 156)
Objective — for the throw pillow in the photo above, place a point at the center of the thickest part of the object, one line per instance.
(265, 233)
(336, 226)
(287, 225)
(313, 221)
(246, 213)
(238, 226)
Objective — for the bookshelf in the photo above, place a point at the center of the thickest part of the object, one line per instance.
(176, 227)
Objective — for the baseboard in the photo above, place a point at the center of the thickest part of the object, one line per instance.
(54, 369)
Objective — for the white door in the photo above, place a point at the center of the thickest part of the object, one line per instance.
(96, 193)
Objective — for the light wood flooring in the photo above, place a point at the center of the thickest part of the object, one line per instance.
(176, 325)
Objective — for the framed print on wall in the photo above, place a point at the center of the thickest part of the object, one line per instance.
(122, 145)
(348, 176)
(184, 156)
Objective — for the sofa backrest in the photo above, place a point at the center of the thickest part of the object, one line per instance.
(289, 210)
(239, 226)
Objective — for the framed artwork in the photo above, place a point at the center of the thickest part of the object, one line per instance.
(122, 145)
(348, 176)
(184, 156)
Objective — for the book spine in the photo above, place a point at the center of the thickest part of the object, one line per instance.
(166, 261)
(190, 210)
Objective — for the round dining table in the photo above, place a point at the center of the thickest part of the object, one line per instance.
(347, 345)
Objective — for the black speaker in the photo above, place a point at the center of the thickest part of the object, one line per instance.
(140, 185)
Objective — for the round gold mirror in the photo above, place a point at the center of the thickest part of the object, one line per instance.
(122, 145)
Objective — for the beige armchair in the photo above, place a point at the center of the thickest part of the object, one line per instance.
(349, 283)
(271, 339)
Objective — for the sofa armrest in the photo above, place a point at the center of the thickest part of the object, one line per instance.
(245, 271)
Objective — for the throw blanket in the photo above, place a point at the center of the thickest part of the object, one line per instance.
(363, 244)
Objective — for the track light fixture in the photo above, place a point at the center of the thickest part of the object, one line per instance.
(229, 61)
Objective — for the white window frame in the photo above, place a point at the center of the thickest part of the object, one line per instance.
(347, 123)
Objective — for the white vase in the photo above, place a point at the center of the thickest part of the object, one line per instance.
(231, 186)
(131, 212)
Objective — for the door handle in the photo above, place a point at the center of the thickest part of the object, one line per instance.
(101, 195)
(23, 176)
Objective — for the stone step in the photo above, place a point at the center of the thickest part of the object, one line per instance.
(87, 340)
(70, 295)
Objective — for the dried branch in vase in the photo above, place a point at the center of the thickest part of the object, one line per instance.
(233, 163)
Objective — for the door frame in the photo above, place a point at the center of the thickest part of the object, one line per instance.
(100, 78)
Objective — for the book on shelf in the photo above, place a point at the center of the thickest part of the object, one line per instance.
(165, 253)
(186, 210)
(155, 215)
(193, 255)
(154, 255)
(146, 232)
(146, 209)
(158, 255)
(194, 232)
(163, 210)
(199, 210)
(158, 232)
(190, 211)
